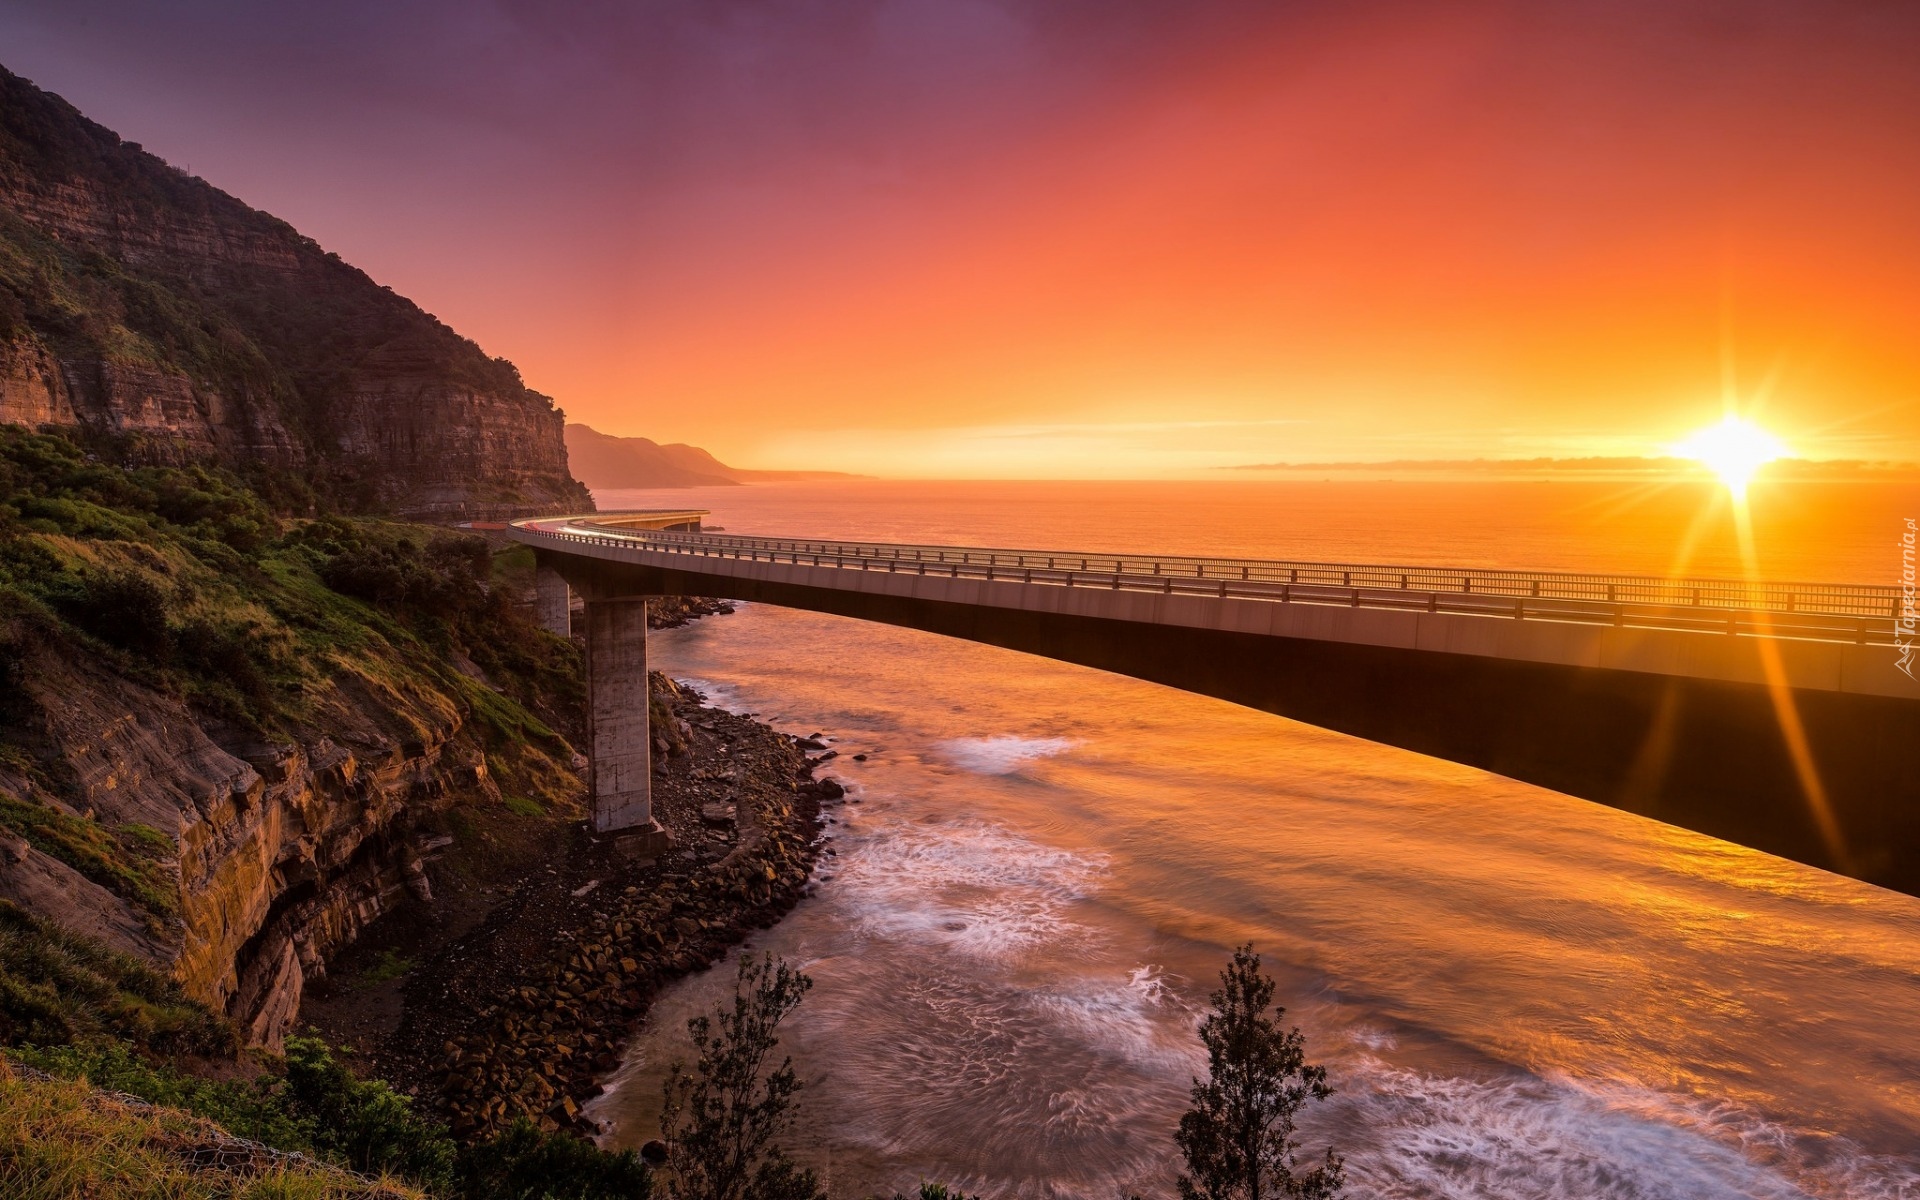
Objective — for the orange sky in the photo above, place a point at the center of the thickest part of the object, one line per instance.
(963, 238)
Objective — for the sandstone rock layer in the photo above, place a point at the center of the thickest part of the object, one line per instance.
(144, 305)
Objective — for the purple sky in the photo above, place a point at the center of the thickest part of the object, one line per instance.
(847, 229)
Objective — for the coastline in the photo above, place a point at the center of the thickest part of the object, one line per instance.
(515, 992)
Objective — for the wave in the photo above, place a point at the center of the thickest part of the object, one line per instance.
(1451, 1137)
(1002, 754)
(971, 888)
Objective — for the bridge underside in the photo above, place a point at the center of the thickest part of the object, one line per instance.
(1705, 755)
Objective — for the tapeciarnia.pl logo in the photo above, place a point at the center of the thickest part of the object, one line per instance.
(1903, 628)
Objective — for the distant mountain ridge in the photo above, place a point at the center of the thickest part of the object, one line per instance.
(143, 305)
(1628, 466)
(602, 461)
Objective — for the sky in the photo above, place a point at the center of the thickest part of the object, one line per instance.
(1058, 238)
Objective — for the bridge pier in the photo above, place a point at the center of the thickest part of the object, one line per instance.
(620, 739)
(1774, 738)
(552, 600)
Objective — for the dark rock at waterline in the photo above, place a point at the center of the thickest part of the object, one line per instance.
(810, 743)
(830, 789)
(547, 995)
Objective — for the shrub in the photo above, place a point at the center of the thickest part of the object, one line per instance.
(1238, 1139)
(315, 1105)
(15, 706)
(239, 655)
(442, 576)
(720, 1120)
(522, 1163)
(122, 607)
(364, 1123)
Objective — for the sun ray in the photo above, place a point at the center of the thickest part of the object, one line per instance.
(1786, 712)
(1735, 450)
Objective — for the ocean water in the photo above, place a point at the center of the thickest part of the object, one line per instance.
(1516, 993)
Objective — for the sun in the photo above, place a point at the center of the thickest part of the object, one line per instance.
(1735, 450)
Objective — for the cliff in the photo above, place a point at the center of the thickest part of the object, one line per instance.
(146, 306)
(227, 741)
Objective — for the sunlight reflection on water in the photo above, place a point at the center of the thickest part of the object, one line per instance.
(1517, 993)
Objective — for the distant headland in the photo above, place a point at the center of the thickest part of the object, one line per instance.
(601, 460)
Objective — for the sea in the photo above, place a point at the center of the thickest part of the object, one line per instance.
(1043, 868)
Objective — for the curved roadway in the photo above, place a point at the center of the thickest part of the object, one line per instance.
(1772, 714)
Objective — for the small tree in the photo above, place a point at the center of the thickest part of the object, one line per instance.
(1238, 1138)
(720, 1119)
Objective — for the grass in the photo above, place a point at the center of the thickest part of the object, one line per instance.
(387, 967)
(57, 988)
(521, 806)
(186, 582)
(62, 1140)
(128, 861)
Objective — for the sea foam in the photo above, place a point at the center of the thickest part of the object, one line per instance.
(1002, 754)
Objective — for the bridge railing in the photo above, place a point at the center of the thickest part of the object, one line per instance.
(1858, 613)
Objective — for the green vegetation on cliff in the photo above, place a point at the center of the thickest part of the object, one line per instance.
(185, 583)
(88, 1026)
(59, 989)
(186, 592)
(61, 1140)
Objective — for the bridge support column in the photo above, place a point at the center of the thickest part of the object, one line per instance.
(552, 601)
(620, 750)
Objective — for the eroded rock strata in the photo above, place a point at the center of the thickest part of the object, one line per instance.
(525, 1012)
(271, 856)
(148, 307)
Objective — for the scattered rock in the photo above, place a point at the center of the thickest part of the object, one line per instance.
(521, 1018)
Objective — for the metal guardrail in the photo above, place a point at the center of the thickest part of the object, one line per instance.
(1827, 612)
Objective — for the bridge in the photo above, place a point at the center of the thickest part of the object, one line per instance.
(1770, 714)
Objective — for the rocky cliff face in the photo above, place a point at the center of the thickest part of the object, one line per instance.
(228, 739)
(277, 854)
(147, 306)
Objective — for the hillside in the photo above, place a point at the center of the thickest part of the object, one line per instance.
(225, 737)
(601, 460)
(145, 307)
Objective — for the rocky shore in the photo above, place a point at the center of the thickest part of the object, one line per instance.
(512, 995)
(671, 612)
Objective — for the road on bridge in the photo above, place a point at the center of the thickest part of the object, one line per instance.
(1768, 713)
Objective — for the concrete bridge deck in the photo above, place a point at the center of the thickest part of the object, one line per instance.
(1770, 714)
